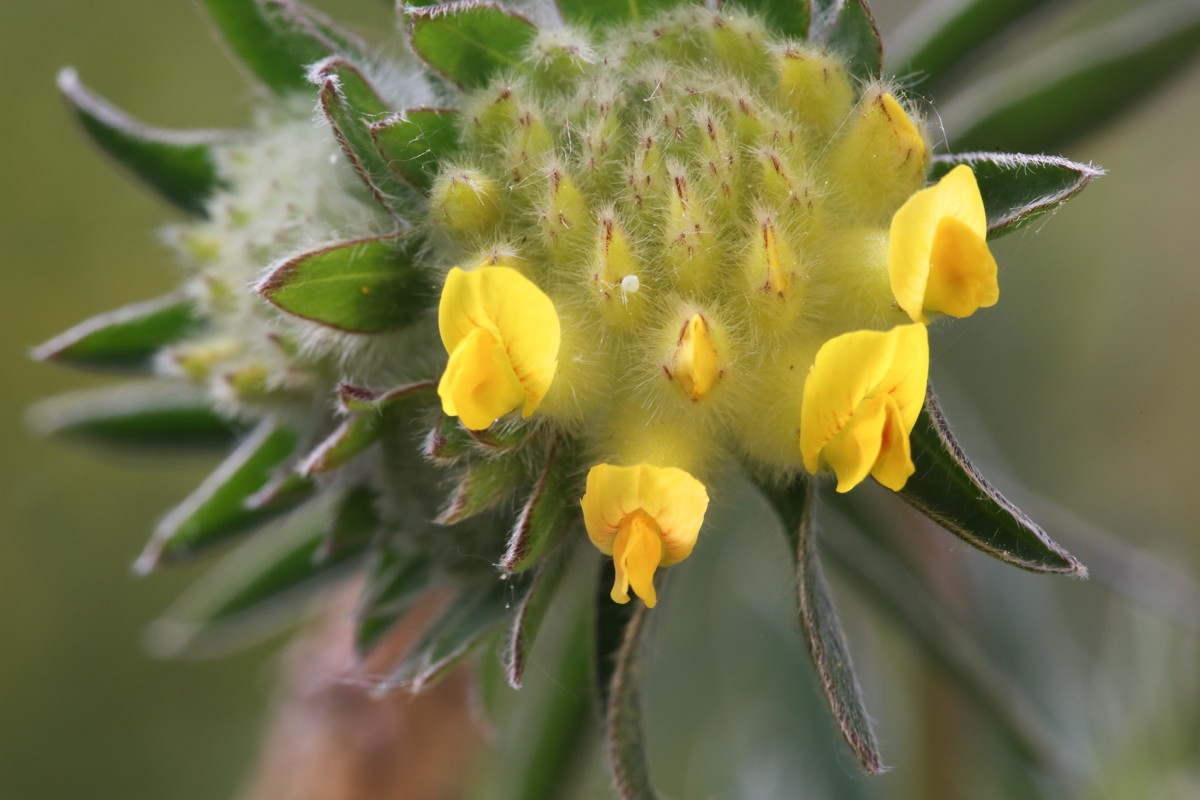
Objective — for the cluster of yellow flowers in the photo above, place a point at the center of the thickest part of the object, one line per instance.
(862, 395)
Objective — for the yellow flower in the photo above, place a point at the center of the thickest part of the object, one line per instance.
(697, 366)
(861, 401)
(645, 517)
(938, 258)
(502, 334)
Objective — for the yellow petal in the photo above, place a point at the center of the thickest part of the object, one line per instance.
(861, 400)
(952, 260)
(479, 384)
(637, 553)
(672, 503)
(519, 317)
(696, 361)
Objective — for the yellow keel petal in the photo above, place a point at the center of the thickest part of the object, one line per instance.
(479, 384)
(636, 555)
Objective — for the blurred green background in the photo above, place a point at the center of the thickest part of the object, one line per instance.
(1083, 385)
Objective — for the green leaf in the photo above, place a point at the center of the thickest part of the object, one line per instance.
(348, 441)
(543, 519)
(484, 484)
(286, 489)
(352, 106)
(619, 667)
(467, 619)
(951, 492)
(447, 442)
(355, 523)
(177, 165)
(787, 17)
(950, 645)
(530, 615)
(150, 414)
(401, 399)
(217, 510)
(940, 36)
(123, 340)
(277, 39)
(395, 579)
(1045, 102)
(469, 41)
(368, 285)
(253, 592)
(1018, 189)
(848, 27)
(413, 143)
(606, 13)
(821, 628)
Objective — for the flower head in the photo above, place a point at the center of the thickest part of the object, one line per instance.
(938, 258)
(645, 517)
(861, 401)
(502, 334)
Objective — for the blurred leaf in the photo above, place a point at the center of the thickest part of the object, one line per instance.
(787, 17)
(618, 668)
(397, 400)
(821, 627)
(155, 414)
(364, 286)
(355, 523)
(395, 579)
(948, 489)
(848, 27)
(413, 142)
(530, 615)
(125, 339)
(349, 440)
(949, 644)
(285, 488)
(352, 106)
(542, 520)
(217, 510)
(253, 592)
(467, 618)
(604, 13)
(469, 41)
(1043, 103)
(939, 36)
(178, 165)
(484, 484)
(1018, 189)
(277, 39)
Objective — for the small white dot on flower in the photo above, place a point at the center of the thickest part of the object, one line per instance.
(630, 284)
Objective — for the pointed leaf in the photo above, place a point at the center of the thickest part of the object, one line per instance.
(821, 628)
(530, 614)
(277, 39)
(897, 592)
(940, 36)
(395, 580)
(789, 18)
(178, 165)
(413, 143)
(257, 589)
(469, 41)
(623, 734)
(1018, 189)
(543, 519)
(1045, 102)
(848, 27)
(951, 492)
(606, 13)
(351, 105)
(355, 523)
(124, 340)
(447, 442)
(285, 489)
(351, 438)
(464, 622)
(217, 510)
(484, 484)
(401, 399)
(145, 414)
(363, 286)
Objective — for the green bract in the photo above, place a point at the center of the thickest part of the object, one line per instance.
(645, 123)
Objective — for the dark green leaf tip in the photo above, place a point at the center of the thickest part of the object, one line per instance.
(948, 489)
(468, 41)
(177, 165)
